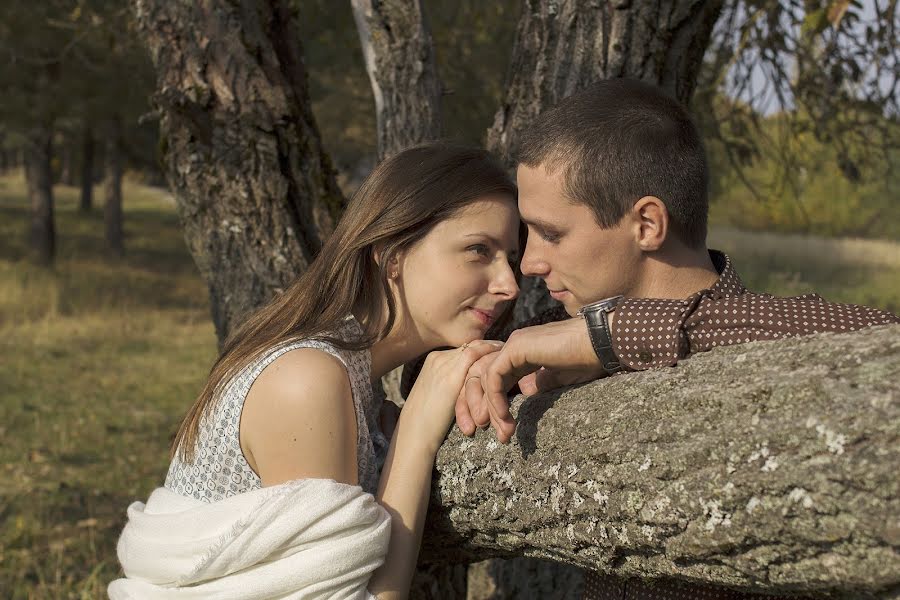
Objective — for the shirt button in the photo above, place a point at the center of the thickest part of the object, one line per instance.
(645, 357)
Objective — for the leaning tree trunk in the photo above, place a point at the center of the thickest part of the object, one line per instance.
(112, 187)
(87, 170)
(255, 190)
(767, 467)
(399, 57)
(39, 181)
(563, 46)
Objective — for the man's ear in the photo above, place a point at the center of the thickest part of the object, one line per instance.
(653, 219)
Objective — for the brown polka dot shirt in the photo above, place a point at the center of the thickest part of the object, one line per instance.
(657, 333)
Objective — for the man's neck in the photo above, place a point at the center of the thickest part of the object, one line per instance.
(675, 273)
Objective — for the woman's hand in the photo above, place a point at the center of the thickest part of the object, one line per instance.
(430, 407)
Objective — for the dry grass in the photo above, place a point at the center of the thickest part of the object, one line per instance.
(100, 357)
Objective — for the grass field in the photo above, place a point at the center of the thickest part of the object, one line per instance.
(100, 357)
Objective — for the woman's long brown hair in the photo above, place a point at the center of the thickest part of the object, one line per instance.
(396, 206)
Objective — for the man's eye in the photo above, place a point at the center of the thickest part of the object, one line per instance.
(479, 249)
(549, 236)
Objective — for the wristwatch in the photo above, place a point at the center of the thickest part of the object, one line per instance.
(595, 315)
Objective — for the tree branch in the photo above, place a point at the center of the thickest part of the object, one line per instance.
(767, 467)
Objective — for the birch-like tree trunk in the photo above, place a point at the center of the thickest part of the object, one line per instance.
(255, 190)
(399, 57)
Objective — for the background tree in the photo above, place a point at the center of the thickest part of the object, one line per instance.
(255, 190)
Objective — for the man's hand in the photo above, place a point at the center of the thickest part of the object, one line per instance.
(539, 358)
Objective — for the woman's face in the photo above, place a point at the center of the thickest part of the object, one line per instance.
(454, 283)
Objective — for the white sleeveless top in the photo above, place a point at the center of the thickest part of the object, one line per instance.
(220, 470)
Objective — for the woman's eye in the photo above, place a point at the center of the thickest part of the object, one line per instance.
(480, 250)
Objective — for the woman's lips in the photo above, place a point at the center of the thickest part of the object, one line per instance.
(485, 317)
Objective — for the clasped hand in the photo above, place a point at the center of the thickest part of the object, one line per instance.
(538, 358)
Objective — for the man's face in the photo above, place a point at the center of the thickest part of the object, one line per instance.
(578, 260)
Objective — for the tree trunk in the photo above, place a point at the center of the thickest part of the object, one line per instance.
(399, 57)
(255, 189)
(67, 162)
(563, 46)
(787, 484)
(39, 181)
(112, 187)
(87, 170)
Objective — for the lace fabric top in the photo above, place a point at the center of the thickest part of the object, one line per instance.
(220, 470)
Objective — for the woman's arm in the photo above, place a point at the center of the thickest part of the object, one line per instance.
(403, 491)
(406, 478)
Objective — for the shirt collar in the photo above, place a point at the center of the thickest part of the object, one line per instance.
(729, 283)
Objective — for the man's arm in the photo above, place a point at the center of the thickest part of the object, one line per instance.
(646, 333)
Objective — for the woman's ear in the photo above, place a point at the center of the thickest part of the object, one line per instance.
(653, 218)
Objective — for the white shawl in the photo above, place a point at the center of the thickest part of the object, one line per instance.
(309, 538)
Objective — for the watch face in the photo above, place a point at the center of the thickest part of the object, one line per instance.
(607, 304)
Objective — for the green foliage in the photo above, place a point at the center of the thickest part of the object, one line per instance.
(795, 183)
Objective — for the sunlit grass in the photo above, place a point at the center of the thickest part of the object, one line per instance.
(100, 358)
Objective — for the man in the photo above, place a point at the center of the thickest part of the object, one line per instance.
(613, 191)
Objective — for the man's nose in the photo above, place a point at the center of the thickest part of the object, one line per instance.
(533, 265)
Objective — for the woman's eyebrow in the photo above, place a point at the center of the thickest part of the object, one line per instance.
(495, 241)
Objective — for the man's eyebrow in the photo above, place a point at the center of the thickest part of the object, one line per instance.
(496, 242)
(539, 223)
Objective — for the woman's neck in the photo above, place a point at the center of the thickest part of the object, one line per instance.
(397, 348)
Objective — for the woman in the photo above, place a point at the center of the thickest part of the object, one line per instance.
(260, 500)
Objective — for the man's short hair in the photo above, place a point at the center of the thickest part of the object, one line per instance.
(618, 141)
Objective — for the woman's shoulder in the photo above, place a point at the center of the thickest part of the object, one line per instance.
(302, 376)
(299, 420)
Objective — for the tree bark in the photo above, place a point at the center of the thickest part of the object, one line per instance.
(112, 186)
(87, 170)
(39, 181)
(399, 57)
(563, 46)
(767, 467)
(255, 189)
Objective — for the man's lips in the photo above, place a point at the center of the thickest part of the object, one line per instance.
(558, 294)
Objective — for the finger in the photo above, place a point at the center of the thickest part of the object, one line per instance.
(463, 419)
(470, 354)
(474, 397)
(528, 384)
(509, 366)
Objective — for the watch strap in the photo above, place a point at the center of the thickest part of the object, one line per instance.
(601, 339)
